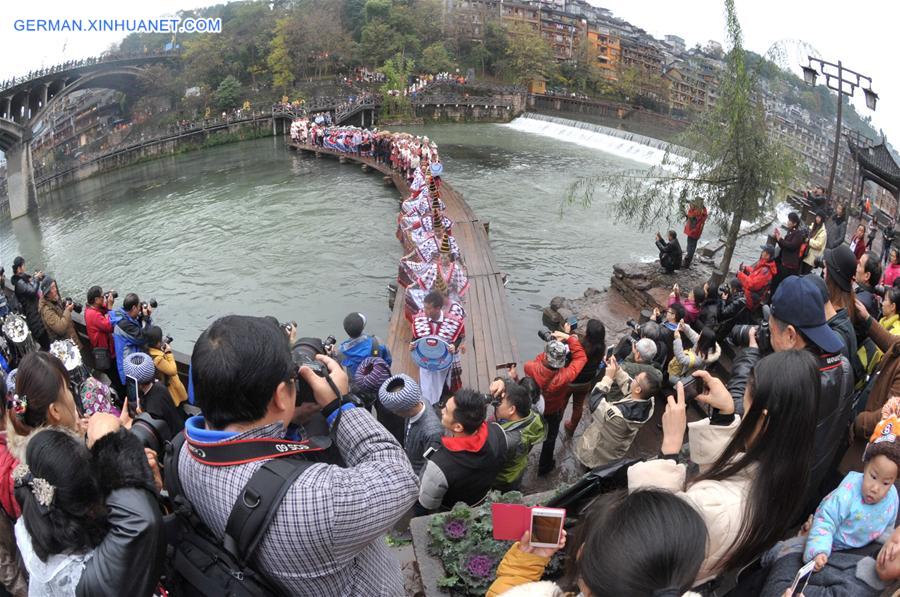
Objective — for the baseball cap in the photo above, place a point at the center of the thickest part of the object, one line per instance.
(799, 303)
(555, 352)
(840, 264)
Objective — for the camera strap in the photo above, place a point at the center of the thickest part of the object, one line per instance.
(242, 451)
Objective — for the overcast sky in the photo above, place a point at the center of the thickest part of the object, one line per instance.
(859, 33)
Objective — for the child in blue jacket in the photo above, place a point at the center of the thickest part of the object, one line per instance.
(864, 505)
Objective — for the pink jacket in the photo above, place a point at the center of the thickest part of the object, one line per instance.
(691, 309)
(891, 273)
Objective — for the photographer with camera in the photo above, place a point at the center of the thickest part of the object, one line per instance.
(797, 322)
(614, 424)
(100, 333)
(28, 291)
(326, 537)
(166, 368)
(757, 280)
(131, 321)
(358, 346)
(670, 254)
(56, 313)
(152, 396)
(553, 376)
(732, 308)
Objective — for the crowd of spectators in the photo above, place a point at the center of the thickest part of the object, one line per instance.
(289, 458)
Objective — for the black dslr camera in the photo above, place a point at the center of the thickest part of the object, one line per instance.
(740, 334)
(76, 306)
(545, 335)
(303, 353)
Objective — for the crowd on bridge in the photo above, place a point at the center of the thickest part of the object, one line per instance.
(72, 64)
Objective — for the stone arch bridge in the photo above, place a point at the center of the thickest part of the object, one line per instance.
(25, 102)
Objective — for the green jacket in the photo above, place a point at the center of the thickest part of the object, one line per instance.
(521, 435)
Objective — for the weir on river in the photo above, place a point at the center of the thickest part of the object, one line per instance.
(490, 338)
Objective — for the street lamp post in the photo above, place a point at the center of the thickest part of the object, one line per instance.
(845, 81)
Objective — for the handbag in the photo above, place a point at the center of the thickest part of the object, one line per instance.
(102, 362)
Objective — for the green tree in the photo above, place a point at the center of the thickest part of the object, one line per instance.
(228, 93)
(436, 59)
(376, 43)
(396, 72)
(735, 165)
(280, 62)
(528, 55)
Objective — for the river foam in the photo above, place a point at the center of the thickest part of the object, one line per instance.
(623, 144)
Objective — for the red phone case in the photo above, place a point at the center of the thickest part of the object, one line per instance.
(510, 521)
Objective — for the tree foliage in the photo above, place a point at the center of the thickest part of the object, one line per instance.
(436, 59)
(528, 56)
(228, 93)
(735, 166)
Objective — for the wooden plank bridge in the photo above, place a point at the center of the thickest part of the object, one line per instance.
(490, 338)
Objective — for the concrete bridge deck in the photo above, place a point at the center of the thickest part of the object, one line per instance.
(490, 339)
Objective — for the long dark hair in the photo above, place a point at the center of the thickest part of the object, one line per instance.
(705, 342)
(75, 521)
(786, 386)
(594, 339)
(39, 380)
(639, 544)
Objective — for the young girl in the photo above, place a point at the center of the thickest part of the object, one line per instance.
(858, 242)
(864, 506)
(705, 351)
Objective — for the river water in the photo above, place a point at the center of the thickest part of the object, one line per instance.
(252, 228)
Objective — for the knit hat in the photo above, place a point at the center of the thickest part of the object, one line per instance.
(400, 393)
(354, 324)
(884, 441)
(555, 352)
(45, 284)
(370, 374)
(139, 365)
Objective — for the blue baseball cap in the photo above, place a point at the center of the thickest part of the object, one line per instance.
(799, 303)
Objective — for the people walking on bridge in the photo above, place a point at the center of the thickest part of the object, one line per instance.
(448, 331)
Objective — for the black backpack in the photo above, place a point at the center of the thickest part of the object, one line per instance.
(198, 562)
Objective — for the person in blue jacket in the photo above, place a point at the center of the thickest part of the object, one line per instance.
(131, 322)
(359, 346)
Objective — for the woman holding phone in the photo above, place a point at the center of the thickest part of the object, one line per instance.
(657, 550)
(747, 491)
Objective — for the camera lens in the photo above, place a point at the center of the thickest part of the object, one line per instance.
(545, 335)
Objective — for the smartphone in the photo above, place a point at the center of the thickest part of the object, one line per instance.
(573, 322)
(131, 390)
(802, 578)
(692, 387)
(429, 452)
(547, 526)
(609, 350)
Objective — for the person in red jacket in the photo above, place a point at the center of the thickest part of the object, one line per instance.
(757, 278)
(100, 330)
(693, 229)
(553, 376)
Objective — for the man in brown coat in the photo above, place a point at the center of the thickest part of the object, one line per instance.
(56, 315)
(887, 383)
